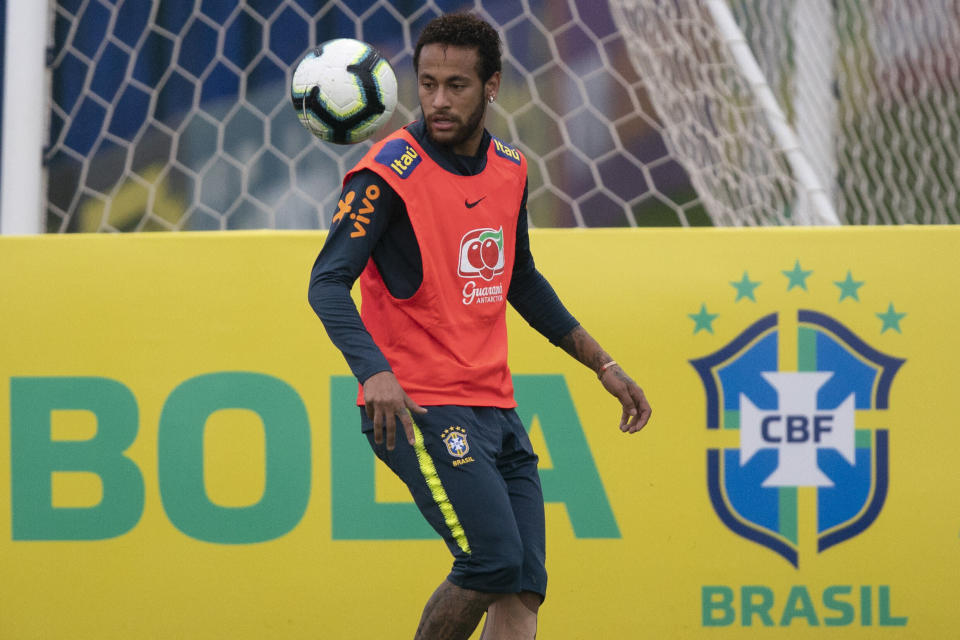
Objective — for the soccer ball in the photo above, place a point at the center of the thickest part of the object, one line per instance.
(344, 91)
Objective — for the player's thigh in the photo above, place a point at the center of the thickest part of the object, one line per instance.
(451, 472)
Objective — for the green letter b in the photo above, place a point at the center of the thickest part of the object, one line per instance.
(36, 456)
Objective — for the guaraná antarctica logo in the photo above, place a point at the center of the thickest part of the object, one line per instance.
(804, 391)
(481, 254)
(481, 258)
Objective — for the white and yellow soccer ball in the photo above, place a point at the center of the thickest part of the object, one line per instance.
(344, 91)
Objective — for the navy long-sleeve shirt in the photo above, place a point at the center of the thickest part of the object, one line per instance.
(391, 242)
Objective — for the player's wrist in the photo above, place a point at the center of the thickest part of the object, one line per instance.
(605, 368)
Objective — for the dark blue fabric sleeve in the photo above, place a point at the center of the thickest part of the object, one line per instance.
(531, 294)
(348, 247)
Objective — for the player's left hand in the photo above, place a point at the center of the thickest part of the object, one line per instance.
(636, 409)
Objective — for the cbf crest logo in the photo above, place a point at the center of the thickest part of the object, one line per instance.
(806, 395)
(456, 440)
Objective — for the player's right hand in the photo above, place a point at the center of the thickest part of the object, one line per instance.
(386, 402)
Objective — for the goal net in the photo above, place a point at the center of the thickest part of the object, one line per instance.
(175, 115)
(807, 111)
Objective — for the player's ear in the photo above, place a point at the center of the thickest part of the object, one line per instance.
(492, 87)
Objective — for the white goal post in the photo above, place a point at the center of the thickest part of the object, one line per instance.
(814, 206)
(25, 101)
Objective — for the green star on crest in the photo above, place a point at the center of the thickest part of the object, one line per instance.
(745, 287)
(703, 319)
(891, 319)
(797, 277)
(848, 287)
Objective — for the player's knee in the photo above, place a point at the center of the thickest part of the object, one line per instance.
(495, 567)
(505, 565)
(530, 600)
(510, 564)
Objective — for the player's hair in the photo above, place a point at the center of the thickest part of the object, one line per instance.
(463, 30)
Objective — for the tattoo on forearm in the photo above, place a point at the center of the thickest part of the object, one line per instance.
(572, 343)
(584, 348)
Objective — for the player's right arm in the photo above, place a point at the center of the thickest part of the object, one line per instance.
(341, 261)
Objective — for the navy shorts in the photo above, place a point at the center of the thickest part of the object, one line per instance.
(473, 474)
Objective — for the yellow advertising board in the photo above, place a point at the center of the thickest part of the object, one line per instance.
(180, 454)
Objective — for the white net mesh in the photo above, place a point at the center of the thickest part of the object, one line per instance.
(870, 90)
(898, 81)
(712, 121)
(175, 115)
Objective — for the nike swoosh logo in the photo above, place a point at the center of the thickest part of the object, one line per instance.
(471, 205)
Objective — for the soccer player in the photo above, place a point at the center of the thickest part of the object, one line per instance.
(433, 222)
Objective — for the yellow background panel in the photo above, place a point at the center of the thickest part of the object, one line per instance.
(152, 311)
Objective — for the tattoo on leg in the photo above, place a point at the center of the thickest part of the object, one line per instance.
(452, 613)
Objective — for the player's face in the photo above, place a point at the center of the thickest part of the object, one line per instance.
(452, 96)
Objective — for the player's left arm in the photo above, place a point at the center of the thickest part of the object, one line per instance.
(536, 301)
(636, 410)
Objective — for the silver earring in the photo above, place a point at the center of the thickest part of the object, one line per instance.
(491, 99)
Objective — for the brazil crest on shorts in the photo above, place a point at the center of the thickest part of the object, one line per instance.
(798, 428)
